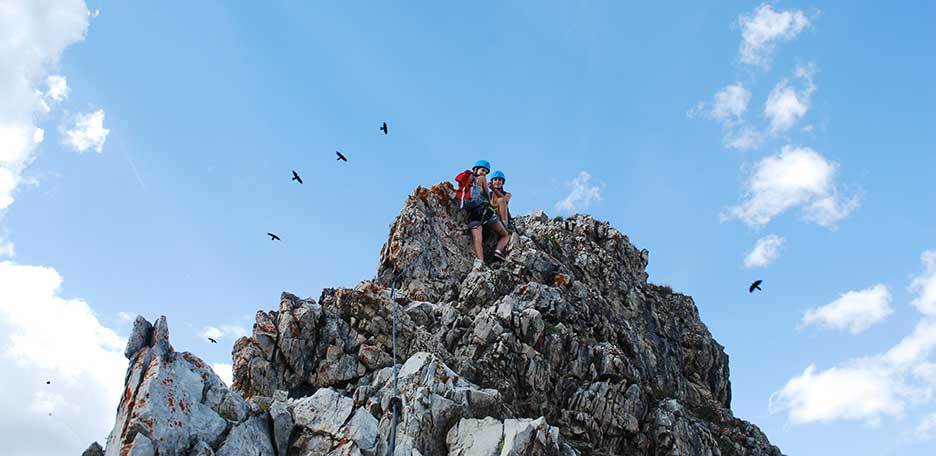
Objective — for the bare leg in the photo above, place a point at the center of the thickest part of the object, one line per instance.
(502, 233)
(476, 238)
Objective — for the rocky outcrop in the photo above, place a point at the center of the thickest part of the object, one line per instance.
(172, 403)
(564, 348)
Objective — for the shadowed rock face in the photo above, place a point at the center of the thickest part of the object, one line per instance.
(564, 348)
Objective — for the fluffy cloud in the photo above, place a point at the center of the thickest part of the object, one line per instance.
(765, 251)
(34, 33)
(868, 388)
(581, 194)
(786, 104)
(50, 338)
(854, 310)
(730, 103)
(798, 176)
(229, 331)
(762, 29)
(925, 285)
(225, 371)
(45, 337)
(57, 87)
(861, 389)
(88, 132)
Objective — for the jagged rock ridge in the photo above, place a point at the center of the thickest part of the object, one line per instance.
(564, 348)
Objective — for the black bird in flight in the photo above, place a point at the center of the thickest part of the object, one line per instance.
(341, 157)
(273, 237)
(384, 128)
(755, 286)
(296, 177)
(212, 340)
(48, 382)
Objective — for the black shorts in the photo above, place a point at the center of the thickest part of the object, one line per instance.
(481, 215)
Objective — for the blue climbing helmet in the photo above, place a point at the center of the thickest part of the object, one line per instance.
(497, 175)
(482, 164)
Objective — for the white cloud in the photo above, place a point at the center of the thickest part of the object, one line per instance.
(762, 29)
(743, 138)
(43, 336)
(765, 251)
(925, 285)
(854, 310)
(57, 87)
(915, 347)
(860, 389)
(34, 33)
(88, 132)
(786, 105)
(798, 176)
(15, 145)
(211, 332)
(867, 388)
(46, 337)
(231, 331)
(728, 107)
(225, 371)
(581, 195)
(730, 103)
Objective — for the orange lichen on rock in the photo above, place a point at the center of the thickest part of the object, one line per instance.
(561, 280)
(422, 193)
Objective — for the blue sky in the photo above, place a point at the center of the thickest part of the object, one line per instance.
(200, 111)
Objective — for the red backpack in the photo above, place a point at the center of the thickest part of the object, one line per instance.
(465, 180)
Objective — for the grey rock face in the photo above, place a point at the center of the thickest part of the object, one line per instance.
(282, 422)
(474, 437)
(567, 329)
(93, 450)
(434, 398)
(251, 437)
(172, 401)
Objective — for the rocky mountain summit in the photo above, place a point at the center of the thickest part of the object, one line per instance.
(562, 349)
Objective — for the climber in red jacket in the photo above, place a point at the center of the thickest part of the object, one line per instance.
(473, 195)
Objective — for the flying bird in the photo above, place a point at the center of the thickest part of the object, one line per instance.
(384, 128)
(341, 157)
(755, 286)
(212, 340)
(48, 382)
(273, 237)
(296, 177)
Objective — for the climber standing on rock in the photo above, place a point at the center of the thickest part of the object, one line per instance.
(500, 198)
(473, 195)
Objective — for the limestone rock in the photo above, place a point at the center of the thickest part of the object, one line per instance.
(249, 438)
(474, 437)
(282, 424)
(93, 450)
(567, 329)
(171, 400)
(434, 398)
